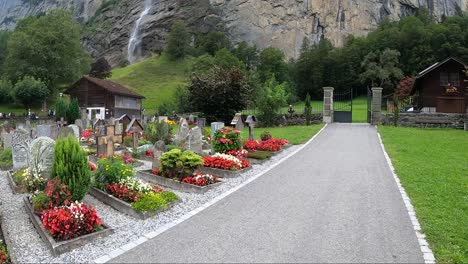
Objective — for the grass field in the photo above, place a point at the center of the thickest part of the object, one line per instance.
(294, 134)
(156, 78)
(433, 167)
(360, 110)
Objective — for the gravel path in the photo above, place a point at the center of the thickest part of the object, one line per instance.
(28, 246)
(333, 201)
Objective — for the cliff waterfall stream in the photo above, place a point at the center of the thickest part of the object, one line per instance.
(134, 44)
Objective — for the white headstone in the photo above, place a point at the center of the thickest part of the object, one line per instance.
(215, 126)
(162, 119)
(6, 138)
(21, 142)
(76, 130)
(42, 155)
(194, 140)
(183, 131)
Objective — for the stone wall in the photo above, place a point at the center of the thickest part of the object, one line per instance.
(428, 120)
(298, 120)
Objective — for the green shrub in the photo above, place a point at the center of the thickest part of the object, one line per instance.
(73, 111)
(149, 202)
(128, 141)
(226, 139)
(265, 136)
(19, 176)
(71, 166)
(178, 164)
(171, 147)
(40, 202)
(260, 155)
(159, 131)
(112, 171)
(169, 197)
(6, 157)
(207, 132)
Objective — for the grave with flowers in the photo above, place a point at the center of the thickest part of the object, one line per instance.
(5, 256)
(177, 169)
(116, 186)
(55, 208)
(229, 160)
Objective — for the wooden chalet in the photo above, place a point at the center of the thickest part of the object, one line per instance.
(442, 88)
(104, 99)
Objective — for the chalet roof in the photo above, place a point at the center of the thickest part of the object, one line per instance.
(437, 65)
(110, 86)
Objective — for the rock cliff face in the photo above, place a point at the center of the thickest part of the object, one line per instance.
(279, 23)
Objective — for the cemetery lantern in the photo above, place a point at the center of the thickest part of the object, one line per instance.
(251, 122)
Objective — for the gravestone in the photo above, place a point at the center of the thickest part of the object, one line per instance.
(162, 119)
(99, 131)
(194, 140)
(118, 128)
(108, 141)
(183, 132)
(237, 122)
(79, 123)
(215, 126)
(159, 149)
(76, 131)
(191, 118)
(20, 126)
(84, 118)
(50, 131)
(201, 123)
(42, 155)
(65, 132)
(7, 139)
(21, 142)
(251, 122)
(62, 122)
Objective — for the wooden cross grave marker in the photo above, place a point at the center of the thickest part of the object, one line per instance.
(109, 141)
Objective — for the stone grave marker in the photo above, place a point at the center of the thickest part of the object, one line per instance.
(6, 139)
(21, 142)
(194, 140)
(62, 122)
(191, 118)
(215, 126)
(108, 141)
(79, 123)
(76, 131)
(162, 119)
(159, 149)
(237, 122)
(183, 132)
(50, 131)
(42, 155)
(201, 123)
(65, 132)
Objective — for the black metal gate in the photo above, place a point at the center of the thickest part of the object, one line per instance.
(369, 105)
(343, 107)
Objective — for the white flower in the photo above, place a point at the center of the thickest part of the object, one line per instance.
(229, 157)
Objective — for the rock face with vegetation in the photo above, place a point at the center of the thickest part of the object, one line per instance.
(279, 23)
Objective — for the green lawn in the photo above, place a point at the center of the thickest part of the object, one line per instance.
(433, 167)
(156, 78)
(294, 134)
(360, 110)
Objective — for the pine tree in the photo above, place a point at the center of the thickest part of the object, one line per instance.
(179, 41)
(71, 166)
(61, 109)
(73, 111)
(307, 110)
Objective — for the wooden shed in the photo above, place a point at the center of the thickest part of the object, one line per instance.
(105, 99)
(442, 88)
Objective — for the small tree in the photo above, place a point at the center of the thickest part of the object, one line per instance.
(272, 97)
(61, 109)
(71, 166)
(178, 44)
(5, 91)
(101, 69)
(308, 110)
(30, 92)
(73, 111)
(382, 69)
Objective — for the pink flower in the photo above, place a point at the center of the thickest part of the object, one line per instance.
(223, 140)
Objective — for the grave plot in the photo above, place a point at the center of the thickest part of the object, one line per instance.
(50, 208)
(116, 186)
(5, 256)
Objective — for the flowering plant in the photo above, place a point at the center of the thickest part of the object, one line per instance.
(242, 153)
(4, 258)
(149, 153)
(58, 193)
(126, 157)
(68, 222)
(225, 162)
(86, 135)
(226, 139)
(92, 166)
(112, 171)
(30, 179)
(200, 179)
(136, 185)
(251, 145)
(122, 192)
(273, 144)
(156, 171)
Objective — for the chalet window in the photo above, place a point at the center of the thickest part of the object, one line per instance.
(444, 79)
(454, 79)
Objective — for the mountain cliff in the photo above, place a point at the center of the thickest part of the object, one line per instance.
(110, 24)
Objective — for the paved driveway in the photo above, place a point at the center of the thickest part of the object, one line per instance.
(334, 201)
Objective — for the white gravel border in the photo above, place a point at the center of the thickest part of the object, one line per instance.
(427, 252)
(128, 232)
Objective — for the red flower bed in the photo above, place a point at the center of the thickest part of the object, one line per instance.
(251, 145)
(225, 162)
(58, 193)
(242, 153)
(273, 144)
(3, 255)
(122, 192)
(200, 179)
(127, 159)
(149, 153)
(156, 171)
(68, 222)
(87, 134)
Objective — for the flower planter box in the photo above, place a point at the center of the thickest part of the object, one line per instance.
(15, 188)
(61, 247)
(94, 159)
(224, 173)
(177, 185)
(6, 241)
(123, 206)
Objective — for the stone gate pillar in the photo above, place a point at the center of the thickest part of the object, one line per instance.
(376, 115)
(328, 105)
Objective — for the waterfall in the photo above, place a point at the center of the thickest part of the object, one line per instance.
(134, 44)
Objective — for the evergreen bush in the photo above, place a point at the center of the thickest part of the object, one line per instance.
(307, 110)
(71, 166)
(73, 111)
(178, 164)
